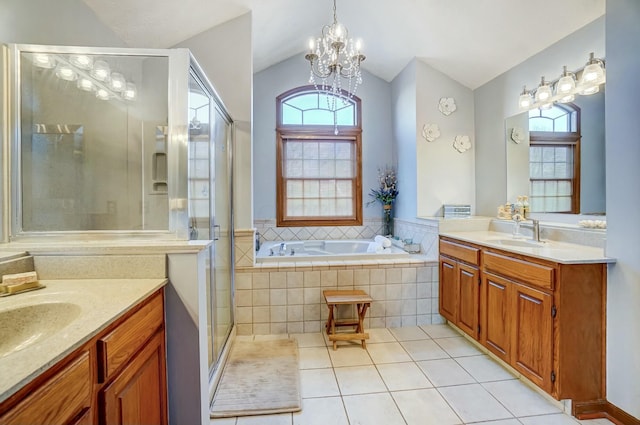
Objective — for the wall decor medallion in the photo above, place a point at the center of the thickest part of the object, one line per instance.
(517, 134)
(430, 132)
(462, 143)
(447, 105)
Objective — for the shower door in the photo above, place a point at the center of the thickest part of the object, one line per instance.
(210, 214)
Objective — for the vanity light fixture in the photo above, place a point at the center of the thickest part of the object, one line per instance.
(91, 76)
(584, 81)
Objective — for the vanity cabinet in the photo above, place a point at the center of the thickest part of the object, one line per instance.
(117, 377)
(543, 318)
(459, 289)
(64, 397)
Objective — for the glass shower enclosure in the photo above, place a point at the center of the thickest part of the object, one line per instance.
(120, 144)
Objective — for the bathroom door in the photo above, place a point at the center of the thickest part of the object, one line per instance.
(210, 208)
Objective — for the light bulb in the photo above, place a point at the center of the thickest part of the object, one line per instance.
(43, 60)
(566, 99)
(118, 82)
(543, 93)
(65, 72)
(358, 45)
(101, 70)
(525, 100)
(130, 92)
(81, 61)
(85, 84)
(590, 90)
(312, 45)
(102, 94)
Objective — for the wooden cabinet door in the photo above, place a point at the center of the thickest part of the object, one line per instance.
(138, 394)
(496, 334)
(532, 343)
(448, 294)
(468, 299)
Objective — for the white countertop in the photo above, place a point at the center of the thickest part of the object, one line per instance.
(559, 252)
(101, 301)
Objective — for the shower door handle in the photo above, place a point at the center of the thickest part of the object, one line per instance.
(216, 226)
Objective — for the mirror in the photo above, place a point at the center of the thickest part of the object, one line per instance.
(92, 156)
(544, 171)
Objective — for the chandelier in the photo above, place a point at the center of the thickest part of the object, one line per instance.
(334, 57)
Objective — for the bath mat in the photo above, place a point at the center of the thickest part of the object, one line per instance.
(260, 377)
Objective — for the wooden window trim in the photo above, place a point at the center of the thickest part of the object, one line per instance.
(282, 220)
(541, 138)
(317, 132)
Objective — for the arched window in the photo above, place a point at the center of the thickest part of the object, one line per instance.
(554, 159)
(319, 150)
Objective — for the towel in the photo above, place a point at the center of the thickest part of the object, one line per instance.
(385, 242)
(375, 247)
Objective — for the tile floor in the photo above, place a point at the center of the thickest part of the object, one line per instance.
(427, 375)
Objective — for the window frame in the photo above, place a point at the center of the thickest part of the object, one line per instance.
(317, 132)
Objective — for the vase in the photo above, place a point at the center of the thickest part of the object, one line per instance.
(387, 220)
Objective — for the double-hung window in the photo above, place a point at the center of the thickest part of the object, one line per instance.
(554, 159)
(318, 167)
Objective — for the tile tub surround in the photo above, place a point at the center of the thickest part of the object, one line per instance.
(101, 302)
(280, 298)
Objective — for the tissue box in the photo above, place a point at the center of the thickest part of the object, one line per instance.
(456, 211)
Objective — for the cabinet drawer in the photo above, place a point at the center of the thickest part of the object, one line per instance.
(59, 400)
(116, 348)
(524, 271)
(462, 252)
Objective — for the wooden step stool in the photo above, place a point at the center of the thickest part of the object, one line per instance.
(361, 300)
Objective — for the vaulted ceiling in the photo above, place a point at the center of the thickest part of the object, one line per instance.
(472, 41)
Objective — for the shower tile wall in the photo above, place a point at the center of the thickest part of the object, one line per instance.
(277, 300)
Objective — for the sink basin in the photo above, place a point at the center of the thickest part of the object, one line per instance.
(26, 325)
(523, 243)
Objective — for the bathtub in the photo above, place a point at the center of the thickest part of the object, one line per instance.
(319, 250)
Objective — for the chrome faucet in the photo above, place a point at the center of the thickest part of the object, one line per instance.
(283, 249)
(536, 230)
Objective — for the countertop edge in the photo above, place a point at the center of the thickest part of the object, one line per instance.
(591, 258)
(154, 285)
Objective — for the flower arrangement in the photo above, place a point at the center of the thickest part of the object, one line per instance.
(388, 191)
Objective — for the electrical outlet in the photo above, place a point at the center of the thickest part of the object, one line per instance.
(112, 207)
